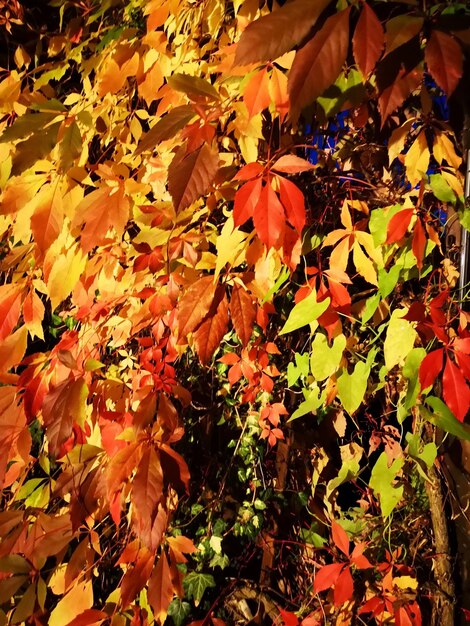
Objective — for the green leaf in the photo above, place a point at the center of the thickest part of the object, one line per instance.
(195, 585)
(443, 418)
(179, 611)
(324, 361)
(352, 387)
(370, 307)
(313, 401)
(441, 188)
(305, 312)
(388, 280)
(381, 482)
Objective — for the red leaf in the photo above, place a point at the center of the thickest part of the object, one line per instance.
(419, 243)
(344, 587)
(272, 35)
(121, 466)
(340, 538)
(394, 95)
(243, 313)
(269, 218)
(90, 617)
(291, 164)
(317, 65)
(288, 618)
(249, 171)
(210, 332)
(456, 392)
(190, 177)
(246, 200)
(464, 363)
(430, 367)
(368, 40)
(327, 576)
(195, 305)
(444, 59)
(398, 225)
(256, 95)
(294, 203)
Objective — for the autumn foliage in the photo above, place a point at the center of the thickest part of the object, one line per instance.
(232, 337)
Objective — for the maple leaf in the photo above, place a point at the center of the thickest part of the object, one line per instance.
(190, 177)
(319, 62)
(272, 35)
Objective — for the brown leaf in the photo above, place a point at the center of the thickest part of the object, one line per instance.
(392, 97)
(166, 127)
(270, 36)
(400, 30)
(147, 489)
(243, 313)
(136, 577)
(160, 589)
(444, 59)
(368, 40)
(190, 177)
(210, 332)
(317, 65)
(195, 305)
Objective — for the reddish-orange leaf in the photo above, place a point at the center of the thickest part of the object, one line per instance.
(249, 171)
(291, 164)
(272, 35)
(344, 587)
(195, 305)
(48, 216)
(294, 203)
(444, 59)
(288, 618)
(358, 558)
(317, 65)
(136, 577)
(210, 332)
(456, 392)
(398, 225)
(190, 177)
(10, 307)
(121, 466)
(174, 467)
(430, 367)
(147, 489)
(419, 243)
(160, 589)
(256, 95)
(340, 538)
(246, 198)
(400, 30)
(327, 576)
(368, 40)
(462, 345)
(33, 313)
(269, 218)
(90, 617)
(394, 95)
(63, 406)
(181, 545)
(243, 313)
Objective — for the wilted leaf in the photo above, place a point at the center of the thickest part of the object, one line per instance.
(193, 86)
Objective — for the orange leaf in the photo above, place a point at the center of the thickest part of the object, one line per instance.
(398, 225)
(368, 40)
(291, 164)
(456, 392)
(147, 489)
(48, 216)
(340, 538)
(344, 587)
(136, 577)
(246, 199)
(270, 36)
(10, 307)
(33, 314)
(243, 313)
(394, 95)
(195, 305)
(294, 203)
(210, 332)
(121, 466)
(317, 65)
(90, 617)
(269, 218)
(166, 127)
(190, 177)
(256, 95)
(327, 576)
(160, 589)
(444, 59)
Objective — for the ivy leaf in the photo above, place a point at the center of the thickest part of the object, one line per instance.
(317, 65)
(270, 36)
(179, 611)
(368, 40)
(352, 387)
(444, 59)
(305, 312)
(195, 584)
(190, 177)
(382, 482)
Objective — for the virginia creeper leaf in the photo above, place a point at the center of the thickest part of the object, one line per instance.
(456, 391)
(444, 59)
(208, 335)
(195, 305)
(190, 177)
(242, 312)
(305, 312)
(368, 40)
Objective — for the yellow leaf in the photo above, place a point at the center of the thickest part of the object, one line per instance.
(399, 340)
(230, 245)
(75, 602)
(364, 265)
(417, 159)
(405, 582)
(346, 216)
(397, 140)
(65, 274)
(339, 256)
(443, 148)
